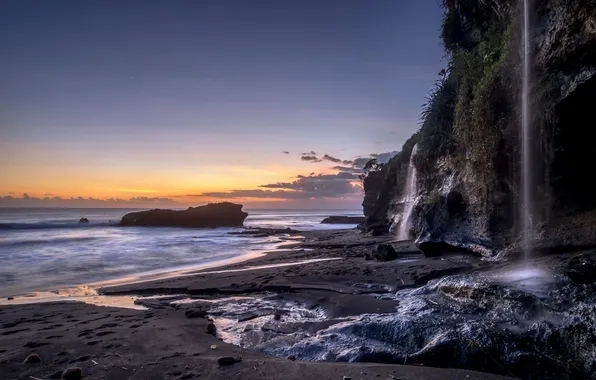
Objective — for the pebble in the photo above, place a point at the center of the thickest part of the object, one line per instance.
(33, 358)
(228, 360)
(74, 373)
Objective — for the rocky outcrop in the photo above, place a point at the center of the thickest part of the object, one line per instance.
(83, 221)
(468, 156)
(343, 220)
(212, 215)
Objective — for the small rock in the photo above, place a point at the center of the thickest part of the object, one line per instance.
(292, 358)
(195, 314)
(277, 316)
(347, 378)
(10, 298)
(228, 360)
(211, 329)
(33, 358)
(83, 221)
(385, 252)
(74, 373)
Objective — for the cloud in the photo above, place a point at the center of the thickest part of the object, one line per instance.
(348, 169)
(332, 159)
(56, 201)
(285, 152)
(310, 158)
(347, 162)
(311, 153)
(321, 186)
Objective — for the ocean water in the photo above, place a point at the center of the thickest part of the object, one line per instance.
(46, 249)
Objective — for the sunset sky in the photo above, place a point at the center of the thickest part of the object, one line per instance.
(184, 102)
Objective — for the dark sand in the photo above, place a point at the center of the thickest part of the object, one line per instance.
(165, 343)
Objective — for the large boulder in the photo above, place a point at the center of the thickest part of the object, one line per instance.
(224, 214)
(343, 220)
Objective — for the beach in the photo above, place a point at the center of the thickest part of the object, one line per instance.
(186, 323)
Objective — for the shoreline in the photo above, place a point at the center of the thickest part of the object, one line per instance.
(311, 285)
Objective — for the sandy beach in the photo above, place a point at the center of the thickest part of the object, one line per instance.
(179, 333)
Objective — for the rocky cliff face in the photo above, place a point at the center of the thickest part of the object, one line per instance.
(468, 156)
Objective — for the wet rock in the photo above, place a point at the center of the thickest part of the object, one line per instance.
(346, 378)
(10, 298)
(277, 315)
(195, 314)
(292, 358)
(228, 360)
(582, 269)
(33, 358)
(385, 252)
(74, 373)
(211, 329)
(83, 221)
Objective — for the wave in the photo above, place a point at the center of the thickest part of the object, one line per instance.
(42, 226)
(20, 243)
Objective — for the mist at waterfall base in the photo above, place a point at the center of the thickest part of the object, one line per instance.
(409, 200)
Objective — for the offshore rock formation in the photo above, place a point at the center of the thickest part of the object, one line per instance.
(468, 157)
(343, 220)
(224, 214)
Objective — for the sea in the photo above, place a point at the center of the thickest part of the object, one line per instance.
(47, 249)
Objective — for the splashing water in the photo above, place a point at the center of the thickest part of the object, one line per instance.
(409, 200)
(526, 202)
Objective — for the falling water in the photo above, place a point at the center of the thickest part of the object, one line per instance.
(403, 233)
(526, 170)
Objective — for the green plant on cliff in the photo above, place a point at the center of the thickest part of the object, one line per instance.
(469, 108)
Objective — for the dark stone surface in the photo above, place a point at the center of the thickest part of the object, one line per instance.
(385, 252)
(83, 221)
(228, 360)
(74, 373)
(212, 215)
(582, 269)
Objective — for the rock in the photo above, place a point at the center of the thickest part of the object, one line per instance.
(292, 358)
(195, 314)
(277, 315)
(83, 221)
(74, 373)
(343, 220)
(33, 358)
(213, 215)
(10, 298)
(211, 329)
(228, 360)
(582, 269)
(346, 378)
(385, 252)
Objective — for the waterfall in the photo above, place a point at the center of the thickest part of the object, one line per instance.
(526, 157)
(409, 199)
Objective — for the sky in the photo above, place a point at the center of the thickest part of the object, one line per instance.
(267, 103)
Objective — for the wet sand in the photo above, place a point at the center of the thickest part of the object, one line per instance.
(174, 336)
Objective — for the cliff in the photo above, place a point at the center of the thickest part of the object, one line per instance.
(468, 156)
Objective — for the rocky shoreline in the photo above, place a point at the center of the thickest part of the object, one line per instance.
(320, 300)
